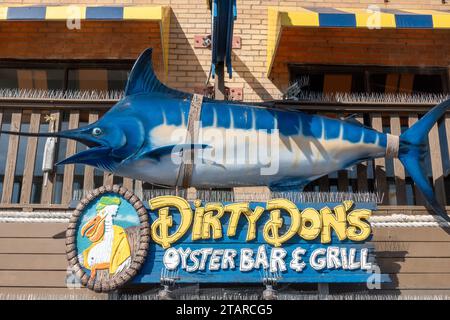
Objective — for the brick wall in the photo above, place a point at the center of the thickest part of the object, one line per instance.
(189, 66)
(95, 40)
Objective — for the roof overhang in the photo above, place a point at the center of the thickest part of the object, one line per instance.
(371, 18)
(159, 14)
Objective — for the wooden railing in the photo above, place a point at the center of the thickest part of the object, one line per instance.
(23, 184)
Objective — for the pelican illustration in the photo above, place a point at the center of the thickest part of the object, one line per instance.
(110, 249)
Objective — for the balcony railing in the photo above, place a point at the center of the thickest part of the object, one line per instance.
(23, 184)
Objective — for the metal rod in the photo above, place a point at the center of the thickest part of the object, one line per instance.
(219, 83)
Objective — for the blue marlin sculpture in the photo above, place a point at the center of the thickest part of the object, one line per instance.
(140, 138)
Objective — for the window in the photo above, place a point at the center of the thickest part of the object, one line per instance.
(97, 79)
(354, 79)
(51, 79)
(406, 83)
(71, 75)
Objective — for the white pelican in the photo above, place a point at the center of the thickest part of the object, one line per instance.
(110, 249)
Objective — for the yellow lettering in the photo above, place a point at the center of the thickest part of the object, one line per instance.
(308, 224)
(311, 224)
(198, 221)
(236, 210)
(252, 217)
(164, 221)
(271, 228)
(211, 221)
(338, 221)
(355, 220)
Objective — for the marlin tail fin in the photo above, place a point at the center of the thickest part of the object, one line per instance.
(412, 150)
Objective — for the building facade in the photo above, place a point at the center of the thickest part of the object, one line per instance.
(64, 63)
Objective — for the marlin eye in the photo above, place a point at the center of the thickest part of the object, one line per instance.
(96, 131)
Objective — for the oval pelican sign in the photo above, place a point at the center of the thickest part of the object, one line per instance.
(107, 238)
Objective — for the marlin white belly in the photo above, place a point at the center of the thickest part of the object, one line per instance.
(238, 157)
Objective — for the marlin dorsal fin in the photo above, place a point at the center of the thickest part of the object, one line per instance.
(142, 79)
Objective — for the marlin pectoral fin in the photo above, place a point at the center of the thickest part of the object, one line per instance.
(99, 157)
(214, 163)
(159, 152)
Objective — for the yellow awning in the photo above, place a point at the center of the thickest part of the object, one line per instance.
(160, 14)
(375, 18)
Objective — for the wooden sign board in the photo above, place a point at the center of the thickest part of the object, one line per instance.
(213, 242)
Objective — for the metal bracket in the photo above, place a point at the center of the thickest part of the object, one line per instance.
(234, 94)
(204, 41)
(231, 94)
(270, 279)
(168, 279)
(205, 91)
(237, 42)
(324, 290)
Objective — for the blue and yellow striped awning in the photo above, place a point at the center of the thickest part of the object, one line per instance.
(160, 14)
(37, 12)
(372, 18)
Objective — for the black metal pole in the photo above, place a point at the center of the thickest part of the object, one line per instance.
(219, 83)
